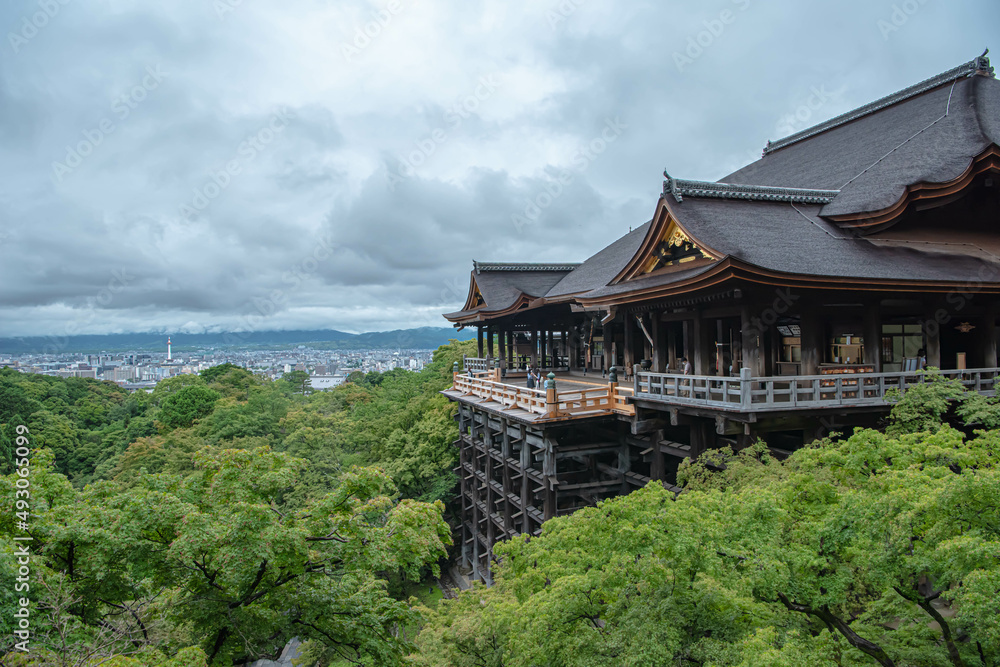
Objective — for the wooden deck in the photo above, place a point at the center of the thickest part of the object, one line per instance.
(794, 393)
(575, 396)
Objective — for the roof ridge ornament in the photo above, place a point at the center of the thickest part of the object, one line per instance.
(980, 65)
(524, 266)
(680, 188)
(983, 64)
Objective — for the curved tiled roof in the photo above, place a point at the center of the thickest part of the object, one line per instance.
(778, 214)
(931, 136)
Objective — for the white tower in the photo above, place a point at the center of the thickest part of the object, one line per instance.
(168, 349)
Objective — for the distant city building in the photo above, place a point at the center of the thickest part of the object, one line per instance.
(320, 382)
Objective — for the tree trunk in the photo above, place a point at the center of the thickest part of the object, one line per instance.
(853, 638)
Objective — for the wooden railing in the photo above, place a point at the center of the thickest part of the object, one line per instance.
(477, 364)
(799, 392)
(549, 403)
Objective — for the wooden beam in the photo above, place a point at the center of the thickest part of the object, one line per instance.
(641, 426)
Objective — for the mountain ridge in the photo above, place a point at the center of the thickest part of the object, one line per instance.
(418, 338)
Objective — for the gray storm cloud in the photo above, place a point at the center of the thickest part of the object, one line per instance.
(339, 164)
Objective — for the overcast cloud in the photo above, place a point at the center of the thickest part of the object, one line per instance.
(200, 165)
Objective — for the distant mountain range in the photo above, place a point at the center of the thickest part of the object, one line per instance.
(424, 338)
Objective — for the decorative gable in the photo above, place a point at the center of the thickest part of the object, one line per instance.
(673, 248)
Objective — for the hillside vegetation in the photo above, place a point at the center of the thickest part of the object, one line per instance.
(209, 522)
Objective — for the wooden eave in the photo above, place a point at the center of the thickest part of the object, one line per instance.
(988, 160)
(731, 269)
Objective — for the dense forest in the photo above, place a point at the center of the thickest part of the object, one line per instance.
(222, 514)
(210, 521)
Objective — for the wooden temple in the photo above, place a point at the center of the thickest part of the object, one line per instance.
(779, 303)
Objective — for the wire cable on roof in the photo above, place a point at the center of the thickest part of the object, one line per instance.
(947, 110)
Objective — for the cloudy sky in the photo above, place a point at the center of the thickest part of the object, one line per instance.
(200, 165)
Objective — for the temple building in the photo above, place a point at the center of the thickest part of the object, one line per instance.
(780, 303)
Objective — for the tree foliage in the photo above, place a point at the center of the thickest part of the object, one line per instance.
(881, 548)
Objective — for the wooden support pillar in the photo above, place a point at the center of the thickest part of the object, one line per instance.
(702, 335)
(657, 331)
(624, 458)
(572, 345)
(609, 344)
(872, 335)
(502, 342)
(508, 514)
(990, 336)
(550, 348)
(534, 347)
(525, 489)
(751, 341)
(813, 340)
(657, 467)
(769, 340)
(671, 328)
(549, 475)
(702, 436)
(479, 339)
(465, 515)
(629, 343)
(490, 333)
(932, 337)
(488, 492)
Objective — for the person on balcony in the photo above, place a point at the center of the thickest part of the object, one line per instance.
(686, 366)
(532, 378)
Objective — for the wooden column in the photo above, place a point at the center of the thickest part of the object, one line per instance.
(609, 339)
(488, 439)
(932, 337)
(751, 341)
(702, 435)
(873, 335)
(534, 348)
(511, 349)
(628, 343)
(508, 489)
(990, 336)
(490, 332)
(502, 342)
(671, 328)
(474, 500)
(525, 489)
(702, 342)
(479, 339)
(813, 340)
(549, 475)
(657, 331)
(466, 513)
